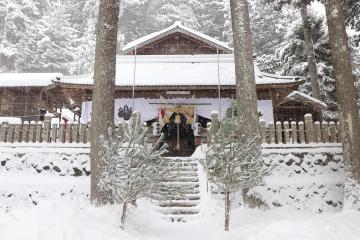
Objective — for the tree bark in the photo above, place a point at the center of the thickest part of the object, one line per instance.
(123, 216)
(345, 89)
(227, 211)
(244, 69)
(309, 46)
(104, 89)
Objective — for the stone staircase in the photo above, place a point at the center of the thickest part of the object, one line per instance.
(184, 205)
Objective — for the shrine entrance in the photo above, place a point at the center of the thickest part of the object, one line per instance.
(178, 133)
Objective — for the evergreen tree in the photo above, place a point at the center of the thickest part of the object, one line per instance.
(232, 161)
(131, 168)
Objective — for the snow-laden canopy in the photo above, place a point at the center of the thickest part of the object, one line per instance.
(179, 70)
(28, 79)
(304, 98)
(176, 27)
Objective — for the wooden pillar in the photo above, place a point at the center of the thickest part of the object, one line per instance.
(294, 132)
(54, 133)
(3, 132)
(301, 132)
(317, 132)
(62, 132)
(10, 134)
(88, 133)
(39, 132)
(309, 128)
(25, 132)
(325, 132)
(46, 130)
(263, 134)
(82, 134)
(75, 132)
(332, 130)
(286, 132)
(68, 131)
(17, 133)
(32, 131)
(279, 133)
(272, 133)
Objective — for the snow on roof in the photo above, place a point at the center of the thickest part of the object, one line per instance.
(176, 27)
(296, 95)
(178, 70)
(27, 79)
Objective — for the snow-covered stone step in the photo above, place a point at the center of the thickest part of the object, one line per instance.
(179, 210)
(184, 201)
(178, 203)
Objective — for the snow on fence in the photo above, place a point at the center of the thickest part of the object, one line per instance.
(303, 132)
(279, 133)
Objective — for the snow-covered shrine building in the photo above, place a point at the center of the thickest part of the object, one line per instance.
(175, 72)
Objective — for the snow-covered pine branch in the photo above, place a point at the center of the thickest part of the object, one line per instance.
(232, 162)
(132, 167)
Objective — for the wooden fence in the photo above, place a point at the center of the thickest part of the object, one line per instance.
(307, 132)
(279, 133)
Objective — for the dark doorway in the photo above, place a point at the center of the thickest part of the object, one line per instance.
(179, 136)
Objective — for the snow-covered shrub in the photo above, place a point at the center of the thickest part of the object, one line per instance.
(232, 162)
(132, 168)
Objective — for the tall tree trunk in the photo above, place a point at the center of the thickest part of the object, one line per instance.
(227, 211)
(104, 89)
(346, 96)
(246, 96)
(244, 69)
(309, 46)
(123, 216)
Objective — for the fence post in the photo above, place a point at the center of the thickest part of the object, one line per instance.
(88, 134)
(10, 134)
(68, 131)
(46, 130)
(54, 131)
(263, 131)
(279, 133)
(32, 131)
(25, 133)
(3, 131)
(309, 128)
(301, 132)
(75, 131)
(338, 129)
(271, 133)
(286, 132)
(82, 133)
(294, 135)
(17, 133)
(62, 132)
(325, 132)
(38, 132)
(317, 132)
(332, 129)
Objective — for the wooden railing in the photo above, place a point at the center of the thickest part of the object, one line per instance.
(306, 132)
(44, 132)
(279, 133)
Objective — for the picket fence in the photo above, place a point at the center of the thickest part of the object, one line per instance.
(306, 132)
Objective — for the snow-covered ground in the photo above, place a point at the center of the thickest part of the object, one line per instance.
(70, 216)
(48, 204)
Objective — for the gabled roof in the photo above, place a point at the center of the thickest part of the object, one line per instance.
(27, 79)
(304, 98)
(176, 27)
(180, 70)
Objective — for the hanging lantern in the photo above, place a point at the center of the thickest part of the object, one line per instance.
(177, 119)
